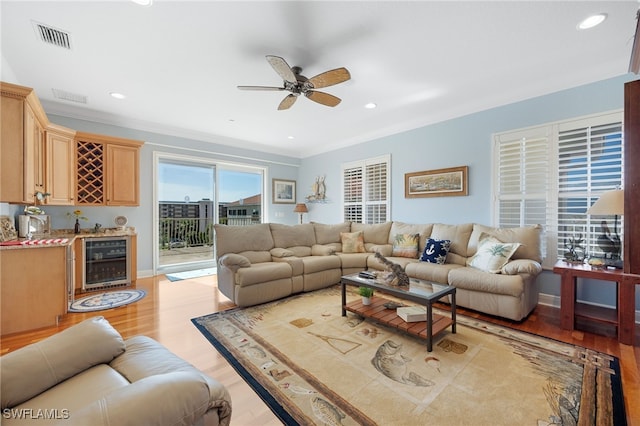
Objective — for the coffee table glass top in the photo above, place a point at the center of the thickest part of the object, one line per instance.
(417, 288)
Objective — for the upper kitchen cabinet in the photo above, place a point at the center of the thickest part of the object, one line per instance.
(107, 170)
(22, 153)
(60, 166)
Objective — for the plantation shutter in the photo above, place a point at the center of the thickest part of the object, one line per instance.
(590, 163)
(523, 178)
(366, 190)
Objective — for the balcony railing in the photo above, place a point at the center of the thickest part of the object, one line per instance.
(185, 240)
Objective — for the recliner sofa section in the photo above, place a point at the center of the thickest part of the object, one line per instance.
(260, 263)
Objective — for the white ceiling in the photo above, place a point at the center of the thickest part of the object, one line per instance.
(421, 62)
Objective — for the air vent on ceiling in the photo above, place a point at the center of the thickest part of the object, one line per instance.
(53, 36)
(68, 96)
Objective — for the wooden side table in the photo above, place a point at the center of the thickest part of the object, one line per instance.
(622, 317)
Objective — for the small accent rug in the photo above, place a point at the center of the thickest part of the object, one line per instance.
(313, 366)
(108, 300)
(191, 274)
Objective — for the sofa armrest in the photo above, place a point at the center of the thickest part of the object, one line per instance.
(322, 250)
(234, 261)
(521, 266)
(175, 398)
(281, 252)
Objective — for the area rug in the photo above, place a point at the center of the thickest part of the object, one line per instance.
(108, 300)
(191, 274)
(313, 366)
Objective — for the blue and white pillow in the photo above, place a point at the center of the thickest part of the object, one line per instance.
(435, 251)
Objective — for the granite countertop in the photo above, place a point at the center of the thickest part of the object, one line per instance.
(64, 237)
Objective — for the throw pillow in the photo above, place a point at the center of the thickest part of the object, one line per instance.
(352, 242)
(435, 251)
(492, 254)
(405, 245)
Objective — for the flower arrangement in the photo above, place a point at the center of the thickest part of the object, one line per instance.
(77, 214)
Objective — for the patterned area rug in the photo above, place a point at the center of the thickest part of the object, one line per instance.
(108, 300)
(313, 366)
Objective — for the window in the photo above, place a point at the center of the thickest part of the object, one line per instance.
(551, 175)
(366, 190)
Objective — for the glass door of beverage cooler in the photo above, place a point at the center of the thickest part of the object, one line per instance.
(106, 262)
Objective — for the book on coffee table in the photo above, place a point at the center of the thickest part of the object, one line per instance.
(412, 313)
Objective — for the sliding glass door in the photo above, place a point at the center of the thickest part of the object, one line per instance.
(192, 195)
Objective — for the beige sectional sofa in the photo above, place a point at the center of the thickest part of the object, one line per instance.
(260, 263)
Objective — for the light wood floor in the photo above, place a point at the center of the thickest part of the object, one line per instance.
(165, 314)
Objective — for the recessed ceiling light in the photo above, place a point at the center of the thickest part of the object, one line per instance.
(370, 105)
(117, 95)
(143, 2)
(290, 137)
(592, 21)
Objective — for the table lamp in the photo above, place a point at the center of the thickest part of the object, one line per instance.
(609, 203)
(302, 209)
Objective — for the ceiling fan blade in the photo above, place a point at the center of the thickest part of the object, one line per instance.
(323, 98)
(330, 78)
(287, 102)
(282, 68)
(261, 88)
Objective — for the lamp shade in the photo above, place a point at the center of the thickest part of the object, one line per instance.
(301, 208)
(610, 202)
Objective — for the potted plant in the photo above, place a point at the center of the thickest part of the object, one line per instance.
(366, 294)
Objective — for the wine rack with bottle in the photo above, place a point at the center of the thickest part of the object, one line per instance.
(106, 263)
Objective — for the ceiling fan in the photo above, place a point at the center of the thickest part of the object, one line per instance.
(298, 84)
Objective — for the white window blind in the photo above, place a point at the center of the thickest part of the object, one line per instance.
(366, 190)
(551, 174)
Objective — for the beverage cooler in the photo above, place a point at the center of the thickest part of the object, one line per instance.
(107, 262)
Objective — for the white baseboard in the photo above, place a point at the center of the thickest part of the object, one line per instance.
(554, 301)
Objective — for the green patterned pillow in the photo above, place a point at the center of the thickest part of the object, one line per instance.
(492, 254)
(405, 245)
(352, 242)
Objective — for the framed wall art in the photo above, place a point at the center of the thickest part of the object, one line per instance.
(436, 183)
(283, 191)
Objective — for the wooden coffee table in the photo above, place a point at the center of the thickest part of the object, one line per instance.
(419, 291)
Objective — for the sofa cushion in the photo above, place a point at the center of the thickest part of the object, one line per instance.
(529, 238)
(286, 236)
(373, 233)
(327, 234)
(352, 242)
(492, 254)
(39, 366)
(431, 271)
(475, 280)
(409, 228)
(458, 235)
(256, 256)
(405, 245)
(522, 266)
(435, 251)
(262, 272)
(237, 239)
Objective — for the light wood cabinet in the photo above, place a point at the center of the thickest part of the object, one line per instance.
(108, 170)
(60, 176)
(21, 145)
(34, 288)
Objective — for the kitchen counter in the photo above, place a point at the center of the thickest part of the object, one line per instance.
(63, 237)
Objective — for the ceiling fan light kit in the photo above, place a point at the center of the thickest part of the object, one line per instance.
(297, 84)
